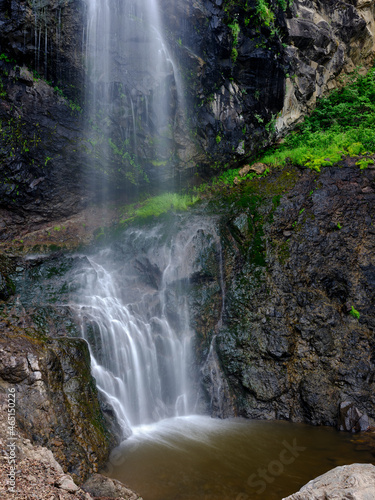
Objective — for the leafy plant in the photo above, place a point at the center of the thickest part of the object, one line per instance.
(364, 163)
(355, 313)
(264, 12)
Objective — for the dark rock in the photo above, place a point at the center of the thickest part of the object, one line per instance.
(6, 287)
(230, 104)
(287, 346)
(57, 404)
(351, 419)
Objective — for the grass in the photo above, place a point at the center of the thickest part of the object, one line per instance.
(342, 124)
(158, 205)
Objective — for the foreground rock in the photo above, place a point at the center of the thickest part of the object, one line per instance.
(102, 486)
(351, 482)
(39, 476)
(56, 397)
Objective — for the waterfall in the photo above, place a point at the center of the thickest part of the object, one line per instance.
(133, 302)
(133, 308)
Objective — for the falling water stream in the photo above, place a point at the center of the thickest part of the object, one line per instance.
(133, 86)
(134, 312)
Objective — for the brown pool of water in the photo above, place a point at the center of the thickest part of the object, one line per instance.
(200, 458)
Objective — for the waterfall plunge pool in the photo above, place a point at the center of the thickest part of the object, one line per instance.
(200, 458)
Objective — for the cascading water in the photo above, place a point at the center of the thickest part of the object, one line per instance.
(139, 340)
(134, 315)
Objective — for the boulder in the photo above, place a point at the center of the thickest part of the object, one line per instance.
(351, 419)
(66, 483)
(257, 168)
(349, 482)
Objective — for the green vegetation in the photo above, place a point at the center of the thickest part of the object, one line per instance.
(264, 12)
(235, 27)
(364, 163)
(228, 178)
(342, 124)
(158, 205)
(234, 54)
(355, 313)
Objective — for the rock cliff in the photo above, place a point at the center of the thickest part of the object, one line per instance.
(297, 267)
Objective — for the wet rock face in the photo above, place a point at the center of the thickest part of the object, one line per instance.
(57, 403)
(41, 168)
(240, 75)
(351, 419)
(293, 268)
(233, 71)
(46, 36)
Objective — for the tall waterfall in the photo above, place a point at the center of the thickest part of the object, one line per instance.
(133, 305)
(133, 91)
(134, 314)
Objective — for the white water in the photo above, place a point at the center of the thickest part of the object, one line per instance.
(138, 331)
(134, 315)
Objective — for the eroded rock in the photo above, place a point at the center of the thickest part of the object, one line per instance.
(292, 268)
(57, 403)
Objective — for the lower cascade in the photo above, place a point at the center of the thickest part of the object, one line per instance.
(134, 315)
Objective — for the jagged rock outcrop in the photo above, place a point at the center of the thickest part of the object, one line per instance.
(275, 76)
(325, 40)
(46, 35)
(56, 397)
(42, 476)
(354, 482)
(41, 171)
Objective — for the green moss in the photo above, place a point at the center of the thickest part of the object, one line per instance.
(158, 205)
(283, 252)
(159, 163)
